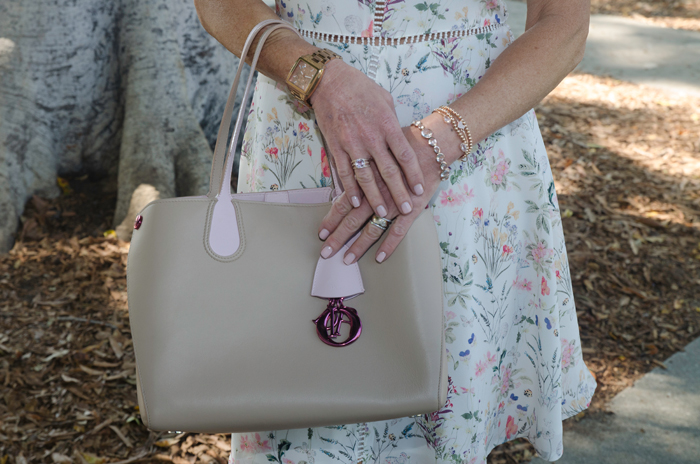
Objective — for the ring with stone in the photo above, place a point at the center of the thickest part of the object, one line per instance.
(382, 223)
(360, 163)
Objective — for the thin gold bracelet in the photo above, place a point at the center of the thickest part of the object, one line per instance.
(450, 116)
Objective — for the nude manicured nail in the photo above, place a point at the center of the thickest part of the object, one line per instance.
(349, 258)
(323, 234)
(355, 202)
(382, 211)
(326, 252)
(418, 189)
(406, 207)
(381, 256)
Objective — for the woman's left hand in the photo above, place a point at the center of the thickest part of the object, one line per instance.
(343, 221)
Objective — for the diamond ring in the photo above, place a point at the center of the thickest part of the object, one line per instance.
(360, 163)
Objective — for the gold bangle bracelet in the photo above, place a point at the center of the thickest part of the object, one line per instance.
(450, 116)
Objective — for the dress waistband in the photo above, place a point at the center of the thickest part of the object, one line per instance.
(379, 41)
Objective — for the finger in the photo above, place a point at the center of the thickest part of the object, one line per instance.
(365, 178)
(370, 234)
(348, 226)
(391, 174)
(397, 231)
(347, 177)
(407, 158)
(339, 209)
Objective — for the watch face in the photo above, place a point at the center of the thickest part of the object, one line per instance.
(302, 75)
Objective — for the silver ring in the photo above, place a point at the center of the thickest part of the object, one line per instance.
(360, 163)
(382, 223)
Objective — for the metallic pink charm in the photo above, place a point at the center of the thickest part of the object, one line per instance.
(137, 223)
(329, 322)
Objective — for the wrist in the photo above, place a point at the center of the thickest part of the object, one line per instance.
(446, 136)
(281, 51)
(328, 80)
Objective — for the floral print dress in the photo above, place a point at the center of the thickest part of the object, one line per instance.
(514, 352)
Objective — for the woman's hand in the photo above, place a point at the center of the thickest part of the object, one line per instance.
(343, 221)
(358, 120)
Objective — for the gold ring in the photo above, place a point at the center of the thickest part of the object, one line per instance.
(382, 223)
(360, 163)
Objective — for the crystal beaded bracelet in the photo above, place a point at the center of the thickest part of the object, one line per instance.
(439, 156)
(450, 116)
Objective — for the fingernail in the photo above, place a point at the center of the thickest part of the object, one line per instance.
(418, 189)
(382, 211)
(349, 258)
(406, 207)
(381, 256)
(323, 234)
(355, 202)
(326, 252)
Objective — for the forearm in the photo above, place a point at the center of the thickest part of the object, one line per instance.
(522, 75)
(230, 22)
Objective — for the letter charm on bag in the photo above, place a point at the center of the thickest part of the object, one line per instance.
(329, 322)
(222, 289)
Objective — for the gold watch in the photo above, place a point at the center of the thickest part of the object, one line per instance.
(306, 73)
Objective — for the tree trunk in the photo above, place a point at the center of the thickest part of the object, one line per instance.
(127, 89)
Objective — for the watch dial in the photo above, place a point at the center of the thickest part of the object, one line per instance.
(302, 75)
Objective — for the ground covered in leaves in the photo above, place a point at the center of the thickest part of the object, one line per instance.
(626, 161)
(678, 14)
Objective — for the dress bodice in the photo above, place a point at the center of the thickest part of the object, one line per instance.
(391, 18)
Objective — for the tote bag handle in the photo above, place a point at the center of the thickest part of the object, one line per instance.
(220, 177)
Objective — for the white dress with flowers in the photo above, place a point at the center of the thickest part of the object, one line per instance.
(514, 352)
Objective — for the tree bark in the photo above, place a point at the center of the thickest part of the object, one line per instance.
(128, 89)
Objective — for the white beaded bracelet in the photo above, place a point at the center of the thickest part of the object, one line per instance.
(439, 156)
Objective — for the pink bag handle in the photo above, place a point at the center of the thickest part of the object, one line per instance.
(220, 178)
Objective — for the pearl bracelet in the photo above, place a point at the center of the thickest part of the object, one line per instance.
(439, 157)
(450, 116)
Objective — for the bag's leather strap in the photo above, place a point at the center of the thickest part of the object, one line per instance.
(220, 178)
(219, 169)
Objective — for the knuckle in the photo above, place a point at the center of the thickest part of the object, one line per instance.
(373, 232)
(344, 172)
(398, 229)
(372, 138)
(405, 155)
(387, 96)
(389, 171)
(351, 223)
(364, 176)
(342, 207)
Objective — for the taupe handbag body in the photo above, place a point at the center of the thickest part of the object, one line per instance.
(239, 326)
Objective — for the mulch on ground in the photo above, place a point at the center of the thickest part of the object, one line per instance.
(626, 161)
(677, 14)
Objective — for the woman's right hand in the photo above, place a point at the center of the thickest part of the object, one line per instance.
(358, 120)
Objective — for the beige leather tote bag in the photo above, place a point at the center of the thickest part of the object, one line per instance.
(239, 326)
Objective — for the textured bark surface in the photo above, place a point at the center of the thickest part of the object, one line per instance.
(131, 90)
